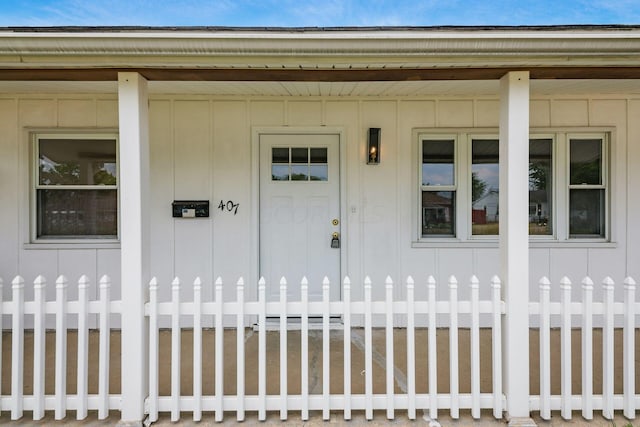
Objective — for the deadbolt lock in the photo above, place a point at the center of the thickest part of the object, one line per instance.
(335, 222)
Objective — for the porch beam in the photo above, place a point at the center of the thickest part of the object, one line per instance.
(295, 73)
(134, 238)
(514, 240)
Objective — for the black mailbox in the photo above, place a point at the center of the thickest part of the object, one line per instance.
(190, 208)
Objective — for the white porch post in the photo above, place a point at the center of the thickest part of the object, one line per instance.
(134, 237)
(514, 240)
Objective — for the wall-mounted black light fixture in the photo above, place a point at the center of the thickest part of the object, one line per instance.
(373, 147)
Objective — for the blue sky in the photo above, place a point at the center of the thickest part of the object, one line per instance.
(316, 12)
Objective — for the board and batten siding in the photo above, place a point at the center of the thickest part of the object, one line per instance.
(201, 148)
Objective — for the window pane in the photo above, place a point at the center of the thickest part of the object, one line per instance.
(280, 172)
(81, 213)
(77, 162)
(319, 173)
(586, 213)
(279, 155)
(437, 162)
(318, 155)
(484, 186)
(299, 172)
(300, 155)
(540, 185)
(586, 161)
(438, 213)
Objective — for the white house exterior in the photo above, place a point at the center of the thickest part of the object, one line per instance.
(270, 126)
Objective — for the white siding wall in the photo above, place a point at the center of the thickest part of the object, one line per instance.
(201, 148)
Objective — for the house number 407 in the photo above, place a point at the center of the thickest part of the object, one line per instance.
(229, 206)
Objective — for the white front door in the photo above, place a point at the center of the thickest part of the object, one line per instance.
(299, 212)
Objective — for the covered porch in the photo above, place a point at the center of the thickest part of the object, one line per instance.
(154, 86)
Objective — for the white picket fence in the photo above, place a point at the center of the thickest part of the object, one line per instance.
(61, 308)
(586, 310)
(547, 314)
(326, 402)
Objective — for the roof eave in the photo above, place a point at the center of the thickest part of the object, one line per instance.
(324, 49)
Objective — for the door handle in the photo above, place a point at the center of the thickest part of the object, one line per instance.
(335, 241)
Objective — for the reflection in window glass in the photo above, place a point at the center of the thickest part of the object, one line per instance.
(299, 172)
(299, 164)
(77, 162)
(438, 162)
(76, 187)
(586, 162)
(318, 172)
(586, 213)
(485, 210)
(280, 172)
(540, 187)
(438, 213)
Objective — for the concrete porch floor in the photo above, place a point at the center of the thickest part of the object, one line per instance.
(315, 369)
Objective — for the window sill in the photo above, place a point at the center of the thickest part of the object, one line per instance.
(92, 244)
(539, 243)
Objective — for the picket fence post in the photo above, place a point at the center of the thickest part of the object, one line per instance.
(368, 350)
(304, 348)
(628, 348)
(565, 347)
(346, 320)
(389, 345)
(197, 349)
(475, 347)
(545, 349)
(453, 347)
(326, 377)
(496, 337)
(607, 350)
(411, 350)
(219, 353)
(39, 346)
(587, 348)
(83, 348)
(262, 349)
(61, 348)
(283, 349)
(240, 348)
(433, 353)
(154, 348)
(105, 347)
(175, 350)
(17, 347)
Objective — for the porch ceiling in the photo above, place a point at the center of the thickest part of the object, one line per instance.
(338, 89)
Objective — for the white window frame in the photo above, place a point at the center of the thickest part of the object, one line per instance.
(604, 137)
(560, 187)
(77, 241)
(436, 188)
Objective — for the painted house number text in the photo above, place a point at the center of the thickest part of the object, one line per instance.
(229, 206)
